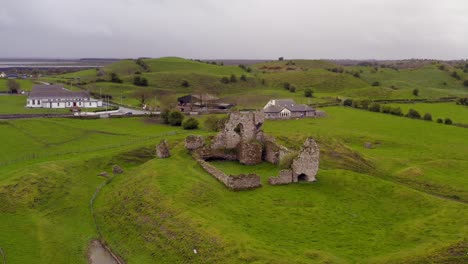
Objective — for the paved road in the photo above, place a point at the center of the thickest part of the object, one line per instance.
(125, 110)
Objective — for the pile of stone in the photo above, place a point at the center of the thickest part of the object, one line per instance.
(162, 150)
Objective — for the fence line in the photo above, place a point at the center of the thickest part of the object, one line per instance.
(129, 142)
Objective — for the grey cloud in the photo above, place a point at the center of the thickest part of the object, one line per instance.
(381, 29)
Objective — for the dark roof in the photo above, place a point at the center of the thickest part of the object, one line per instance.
(201, 97)
(55, 91)
(280, 104)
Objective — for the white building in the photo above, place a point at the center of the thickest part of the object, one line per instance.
(287, 108)
(55, 96)
(3, 75)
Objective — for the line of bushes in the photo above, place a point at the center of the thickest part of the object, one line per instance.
(176, 118)
(393, 110)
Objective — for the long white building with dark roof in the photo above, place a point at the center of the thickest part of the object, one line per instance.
(287, 108)
(56, 96)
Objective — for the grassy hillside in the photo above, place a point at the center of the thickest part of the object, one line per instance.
(266, 80)
(403, 201)
(457, 113)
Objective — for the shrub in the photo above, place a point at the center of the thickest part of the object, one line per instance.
(175, 118)
(357, 75)
(165, 116)
(386, 109)
(214, 123)
(439, 120)
(140, 81)
(365, 104)
(190, 123)
(414, 114)
(243, 78)
(280, 58)
(396, 111)
(455, 75)
(13, 86)
(185, 83)
(376, 83)
(225, 80)
(233, 78)
(462, 101)
(465, 83)
(292, 89)
(115, 78)
(448, 121)
(308, 92)
(374, 107)
(348, 102)
(427, 117)
(142, 64)
(286, 85)
(416, 92)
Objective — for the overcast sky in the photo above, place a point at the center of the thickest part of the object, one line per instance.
(238, 29)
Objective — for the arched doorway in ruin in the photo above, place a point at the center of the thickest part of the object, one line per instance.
(302, 178)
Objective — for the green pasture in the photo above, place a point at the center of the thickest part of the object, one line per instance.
(403, 201)
(457, 113)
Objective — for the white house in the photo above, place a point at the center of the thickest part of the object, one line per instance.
(55, 96)
(287, 108)
(3, 75)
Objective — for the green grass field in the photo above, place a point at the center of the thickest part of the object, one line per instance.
(458, 113)
(403, 201)
(25, 85)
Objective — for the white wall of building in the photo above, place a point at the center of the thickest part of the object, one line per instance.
(62, 103)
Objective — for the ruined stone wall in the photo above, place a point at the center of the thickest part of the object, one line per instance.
(244, 182)
(307, 162)
(250, 152)
(194, 142)
(240, 127)
(206, 153)
(233, 182)
(284, 177)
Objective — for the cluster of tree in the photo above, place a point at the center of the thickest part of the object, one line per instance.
(210, 62)
(455, 75)
(289, 87)
(185, 83)
(356, 74)
(140, 81)
(214, 123)
(376, 83)
(142, 64)
(115, 78)
(245, 68)
(462, 101)
(392, 110)
(336, 70)
(308, 92)
(233, 79)
(13, 86)
(176, 118)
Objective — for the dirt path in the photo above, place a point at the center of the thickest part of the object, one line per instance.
(98, 254)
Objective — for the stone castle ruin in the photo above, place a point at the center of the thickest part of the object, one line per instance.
(243, 140)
